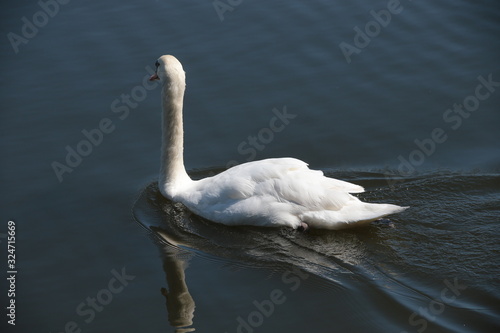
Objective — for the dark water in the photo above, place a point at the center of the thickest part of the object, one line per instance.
(409, 109)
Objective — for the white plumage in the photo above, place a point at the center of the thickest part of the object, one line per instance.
(271, 192)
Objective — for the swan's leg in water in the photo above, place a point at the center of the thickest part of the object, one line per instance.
(303, 226)
(384, 222)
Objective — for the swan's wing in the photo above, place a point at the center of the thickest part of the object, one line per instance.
(267, 192)
(279, 167)
(343, 185)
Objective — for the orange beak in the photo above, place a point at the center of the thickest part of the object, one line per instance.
(154, 77)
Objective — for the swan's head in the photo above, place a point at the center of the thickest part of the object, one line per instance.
(168, 69)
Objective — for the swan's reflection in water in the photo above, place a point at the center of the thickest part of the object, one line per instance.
(335, 258)
(180, 304)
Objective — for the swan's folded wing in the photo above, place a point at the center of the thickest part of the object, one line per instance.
(284, 179)
(308, 189)
(267, 192)
(295, 165)
(343, 185)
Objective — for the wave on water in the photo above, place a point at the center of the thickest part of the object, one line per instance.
(438, 257)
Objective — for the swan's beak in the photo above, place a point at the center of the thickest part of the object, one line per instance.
(154, 77)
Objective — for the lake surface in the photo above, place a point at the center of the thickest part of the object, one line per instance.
(400, 97)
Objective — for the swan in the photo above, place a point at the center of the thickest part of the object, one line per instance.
(271, 192)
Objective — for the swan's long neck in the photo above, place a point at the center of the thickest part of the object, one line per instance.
(173, 175)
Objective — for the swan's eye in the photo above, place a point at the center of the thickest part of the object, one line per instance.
(157, 64)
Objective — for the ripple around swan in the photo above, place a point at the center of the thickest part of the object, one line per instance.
(389, 262)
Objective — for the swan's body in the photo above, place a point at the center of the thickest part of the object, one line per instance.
(271, 192)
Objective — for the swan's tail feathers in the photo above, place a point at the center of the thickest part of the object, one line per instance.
(349, 216)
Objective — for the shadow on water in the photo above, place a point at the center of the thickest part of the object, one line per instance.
(408, 273)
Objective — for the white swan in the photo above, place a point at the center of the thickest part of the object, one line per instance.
(271, 192)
